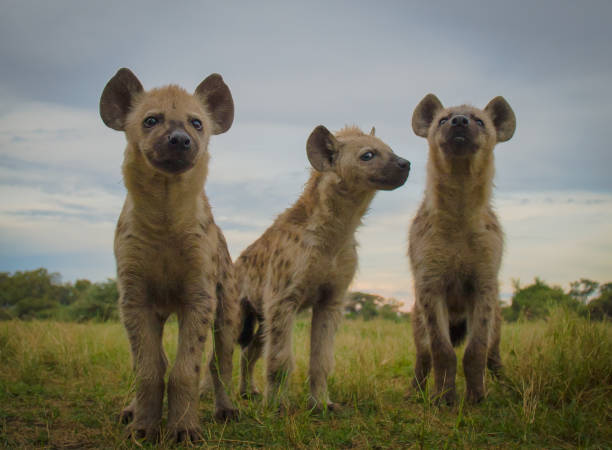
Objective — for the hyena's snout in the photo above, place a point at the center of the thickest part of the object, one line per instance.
(395, 173)
(179, 141)
(175, 152)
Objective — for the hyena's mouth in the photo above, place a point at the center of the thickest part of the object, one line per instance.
(173, 166)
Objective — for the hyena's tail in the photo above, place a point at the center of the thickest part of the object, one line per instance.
(249, 321)
(457, 332)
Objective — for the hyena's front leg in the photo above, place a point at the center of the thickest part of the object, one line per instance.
(423, 349)
(144, 329)
(325, 320)
(278, 323)
(194, 318)
(220, 364)
(442, 352)
(480, 325)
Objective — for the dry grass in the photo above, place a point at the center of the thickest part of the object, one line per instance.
(61, 386)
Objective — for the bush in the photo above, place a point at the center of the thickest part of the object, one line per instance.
(536, 300)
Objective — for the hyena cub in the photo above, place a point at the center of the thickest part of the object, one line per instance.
(308, 257)
(456, 245)
(171, 257)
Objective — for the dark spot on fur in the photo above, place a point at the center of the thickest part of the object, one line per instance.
(219, 291)
(201, 338)
(191, 349)
(197, 369)
(484, 322)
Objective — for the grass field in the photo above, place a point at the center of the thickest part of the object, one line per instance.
(62, 385)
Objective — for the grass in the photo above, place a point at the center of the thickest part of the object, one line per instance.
(62, 385)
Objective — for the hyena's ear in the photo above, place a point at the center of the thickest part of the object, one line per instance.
(503, 118)
(217, 98)
(117, 98)
(424, 113)
(322, 149)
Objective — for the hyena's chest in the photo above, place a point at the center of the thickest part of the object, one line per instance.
(170, 265)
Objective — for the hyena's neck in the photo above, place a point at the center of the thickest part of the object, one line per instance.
(332, 211)
(166, 202)
(462, 191)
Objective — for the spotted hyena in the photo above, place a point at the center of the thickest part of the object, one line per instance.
(308, 257)
(456, 244)
(171, 257)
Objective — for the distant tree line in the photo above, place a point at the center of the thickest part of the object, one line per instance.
(38, 294)
(585, 297)
(42, 295)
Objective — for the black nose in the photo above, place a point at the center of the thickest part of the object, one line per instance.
(179, 140)
(403, 163)
(460, 121)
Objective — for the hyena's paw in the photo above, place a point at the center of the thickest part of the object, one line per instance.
(127, 414)
(474, 396)
(150, 433)
(445, 398)
(227, 414)
(253, 394)
(322, 407)
(180, 434)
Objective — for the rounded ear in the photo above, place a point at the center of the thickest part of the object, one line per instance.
(424, 113)
(503, 118)
(117, 98)
(218, 101)
(322, 149)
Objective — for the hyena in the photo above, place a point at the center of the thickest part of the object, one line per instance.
(455, 245)
(308, 257)
(171, 256)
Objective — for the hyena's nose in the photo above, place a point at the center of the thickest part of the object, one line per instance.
(403, 163)
(179, 140)
(460, 121)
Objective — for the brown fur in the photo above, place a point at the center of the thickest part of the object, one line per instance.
(308, 257)
(456, 245)
(171, 257)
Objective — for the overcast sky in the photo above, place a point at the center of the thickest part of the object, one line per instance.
(291, 67)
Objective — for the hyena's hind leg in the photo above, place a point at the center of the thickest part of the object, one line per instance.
(278, 323)
(220, 364)
(249, 356)
(494, 361)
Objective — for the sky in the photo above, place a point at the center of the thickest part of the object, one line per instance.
(292, 66)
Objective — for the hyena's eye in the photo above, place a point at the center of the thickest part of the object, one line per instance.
(442, 121)
(197, 124)
(367, 156)
(150, 122)
(480, 122)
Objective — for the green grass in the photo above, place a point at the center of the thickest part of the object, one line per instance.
(62, 385)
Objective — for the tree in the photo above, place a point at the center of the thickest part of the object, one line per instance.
(582, 290)
(601, 307)
(97, 301)
(535, 301)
